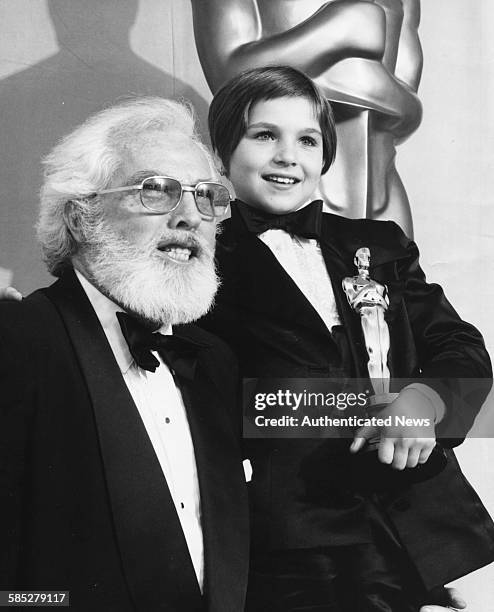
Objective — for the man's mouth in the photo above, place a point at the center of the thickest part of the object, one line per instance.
(178, 253)
(280, 179)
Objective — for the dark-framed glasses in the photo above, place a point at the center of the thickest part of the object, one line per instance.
(162, 195)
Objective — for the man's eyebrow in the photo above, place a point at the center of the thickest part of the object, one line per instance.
(138, 177)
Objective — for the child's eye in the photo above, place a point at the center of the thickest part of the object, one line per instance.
(264, 135)
(309, 141)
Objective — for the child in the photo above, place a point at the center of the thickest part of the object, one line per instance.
(319, 543)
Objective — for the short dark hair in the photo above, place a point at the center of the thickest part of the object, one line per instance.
(231, 104)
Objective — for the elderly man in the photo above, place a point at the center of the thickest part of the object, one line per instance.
(120, 476)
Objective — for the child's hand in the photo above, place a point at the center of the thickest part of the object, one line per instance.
(9, 293)
(402, 445)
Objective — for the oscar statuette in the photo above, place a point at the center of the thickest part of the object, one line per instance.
(369, 299)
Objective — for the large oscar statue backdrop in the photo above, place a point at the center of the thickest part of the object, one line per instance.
(366, 56)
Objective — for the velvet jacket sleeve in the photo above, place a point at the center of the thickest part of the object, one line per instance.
(450, 353)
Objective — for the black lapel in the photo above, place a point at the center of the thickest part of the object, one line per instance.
(261, 280)
(224, 504)
(153, 549)
(340, 265)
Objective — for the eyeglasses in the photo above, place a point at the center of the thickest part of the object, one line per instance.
(163, 194)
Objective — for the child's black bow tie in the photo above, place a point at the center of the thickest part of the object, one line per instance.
(305, 222)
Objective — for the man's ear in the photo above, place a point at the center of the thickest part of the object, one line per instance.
(72, 218)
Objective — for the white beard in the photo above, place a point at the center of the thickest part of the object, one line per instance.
(146, 283)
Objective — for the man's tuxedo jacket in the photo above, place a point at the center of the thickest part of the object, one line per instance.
(84, 504)
(276, 332)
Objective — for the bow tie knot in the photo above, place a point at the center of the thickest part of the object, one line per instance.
(305, 222)
(179, 354)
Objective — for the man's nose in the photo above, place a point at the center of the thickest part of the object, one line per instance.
(186, 215)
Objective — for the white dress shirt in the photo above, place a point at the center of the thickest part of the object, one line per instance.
(303, 261)
(162, 411)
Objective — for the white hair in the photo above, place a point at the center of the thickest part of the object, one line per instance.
(86, 161)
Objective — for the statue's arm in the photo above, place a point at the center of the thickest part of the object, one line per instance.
(410, 57)
(229, 37)
(341, 46)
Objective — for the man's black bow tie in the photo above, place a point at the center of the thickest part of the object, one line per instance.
(179, 354)
(305, 222)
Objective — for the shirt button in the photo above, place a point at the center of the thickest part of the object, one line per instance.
(167, 420)
(182, 505)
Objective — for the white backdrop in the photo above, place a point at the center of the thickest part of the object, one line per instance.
(448, 170)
